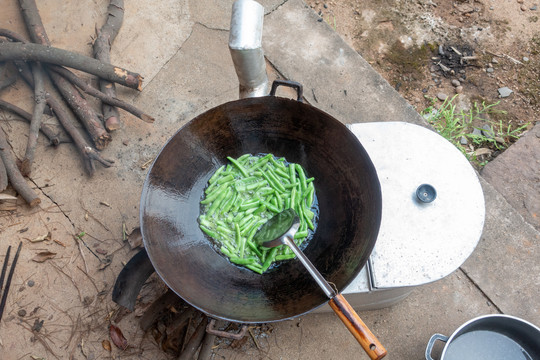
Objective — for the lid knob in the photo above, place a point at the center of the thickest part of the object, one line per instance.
(426, 193)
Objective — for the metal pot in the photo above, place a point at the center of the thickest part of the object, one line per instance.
(490, 337)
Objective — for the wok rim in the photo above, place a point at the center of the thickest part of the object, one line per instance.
(347, 282)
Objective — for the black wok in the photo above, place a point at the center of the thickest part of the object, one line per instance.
(347, 188)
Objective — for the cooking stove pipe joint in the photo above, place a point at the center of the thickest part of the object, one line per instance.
(245, 45)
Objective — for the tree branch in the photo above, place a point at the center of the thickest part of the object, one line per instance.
(90, 90)
(15, 178)
(52, 135)
(82, 109)
(102, 49)
(52, 55)
(35, 122)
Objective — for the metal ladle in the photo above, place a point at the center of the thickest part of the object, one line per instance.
(280, 230)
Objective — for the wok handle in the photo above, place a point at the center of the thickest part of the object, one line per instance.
(356, 326)
(288, 83)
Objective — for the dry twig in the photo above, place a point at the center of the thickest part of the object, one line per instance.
(90, 90)
(53, 136)
(102, 48)
(35, 123)
(14, 175)
(52, 55)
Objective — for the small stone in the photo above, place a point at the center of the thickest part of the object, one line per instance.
(325, 6)
(523, 7)
(491, 8)
(459, 89)
(520, 1)
(525, 59)
(21, 313)
(477, 132)
(319, 19)
(455, 83)
(504, 92)
(442, 96)
(424, 90)
(462, 71)
(441, 50)
(436, 81)
(490, 70)
(463, 141)
(494, 61)
(490, 65)
(487, 131)
(31, 283)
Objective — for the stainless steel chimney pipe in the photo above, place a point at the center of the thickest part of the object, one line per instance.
(245, 45)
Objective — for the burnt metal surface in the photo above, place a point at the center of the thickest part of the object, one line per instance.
(347, 188)
(131, 279)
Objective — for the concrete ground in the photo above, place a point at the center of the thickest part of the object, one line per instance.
(180, 47)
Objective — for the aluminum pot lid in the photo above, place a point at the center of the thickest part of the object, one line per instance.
(421, 241)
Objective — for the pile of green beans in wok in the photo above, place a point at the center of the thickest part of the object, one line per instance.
(242, 195)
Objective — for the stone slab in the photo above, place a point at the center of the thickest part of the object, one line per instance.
(505, 263)
(516, 175)
(336, 78)
(404, 329)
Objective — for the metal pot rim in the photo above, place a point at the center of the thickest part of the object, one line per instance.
(459, 330)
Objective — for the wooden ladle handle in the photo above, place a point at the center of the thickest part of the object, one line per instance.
(356, 326)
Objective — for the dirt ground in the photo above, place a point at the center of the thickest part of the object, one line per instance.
(60, 299)
(405, 41)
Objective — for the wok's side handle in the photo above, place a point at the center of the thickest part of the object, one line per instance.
(288, 83)
(356, 326)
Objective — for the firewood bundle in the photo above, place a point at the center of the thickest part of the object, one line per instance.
(43, 68)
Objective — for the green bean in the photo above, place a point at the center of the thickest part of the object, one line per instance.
(302, 177)
(242, 261)
(261, 162)
(213, 195)
(239, 240)
(272, 175)
(229, 204)
(270, 207)
(249, 205)
(259, 210)
(226, 252)
(270, 256)
(281, 173)
(292, 173)
(301, 234)
(216, 202)
(254, 248)
(252, 267)
(245, 220)
(216, 174)
(238, 166)
(279, 201)
(245, 157)
(239, 216)
(208, 231)
(285, 257)
(224, 230)
(247, 225)
(205, 222)
(291, 185)
(225, 179)
(292, 198)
